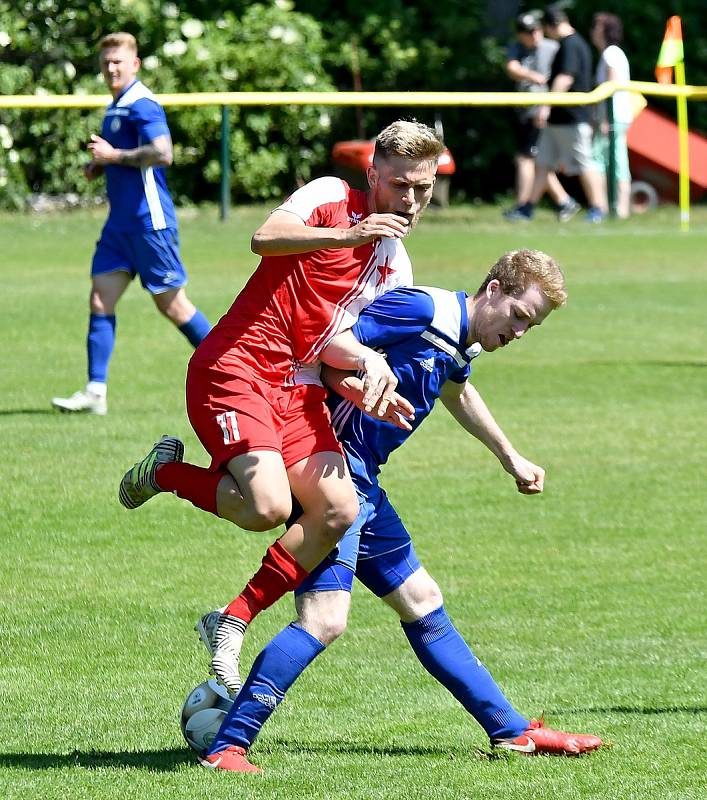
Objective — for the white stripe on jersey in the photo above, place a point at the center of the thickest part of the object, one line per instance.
(447, 318)
(444, 345)
(355, 300)
(136, 92)
(354, 292)
(305, 200)
(153, 199)
(343, 411)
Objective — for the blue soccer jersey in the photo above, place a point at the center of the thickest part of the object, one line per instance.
(423, 332)
(139, 198)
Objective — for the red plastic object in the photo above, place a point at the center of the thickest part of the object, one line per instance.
(653, 155)
(357, 155)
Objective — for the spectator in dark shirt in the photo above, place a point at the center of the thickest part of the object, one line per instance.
(528, 63)
(565, 143)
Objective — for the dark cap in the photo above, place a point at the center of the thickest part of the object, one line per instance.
(554, 14)
(527, 22)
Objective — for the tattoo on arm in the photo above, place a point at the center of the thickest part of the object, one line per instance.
(157, 153)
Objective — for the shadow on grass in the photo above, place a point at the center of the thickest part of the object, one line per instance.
(155, 760)
(360, 748)
(21, 412)
(633, 710)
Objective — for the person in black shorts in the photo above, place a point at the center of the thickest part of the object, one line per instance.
(528, 63)
(565, 143)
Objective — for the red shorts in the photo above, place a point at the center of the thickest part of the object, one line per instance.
(234, 413)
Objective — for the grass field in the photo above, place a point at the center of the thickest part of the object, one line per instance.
(587, 602)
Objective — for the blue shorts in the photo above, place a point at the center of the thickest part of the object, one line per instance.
(377, 549)
(153, 255)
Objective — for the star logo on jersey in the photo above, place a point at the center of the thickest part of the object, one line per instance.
(384, 272)
(355, 217)
(428, 364)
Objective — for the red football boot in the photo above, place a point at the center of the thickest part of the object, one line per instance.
(539, 740)
(232, 759)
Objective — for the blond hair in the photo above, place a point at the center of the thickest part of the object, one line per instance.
(408, 139)
(118, 39)
(518, 270)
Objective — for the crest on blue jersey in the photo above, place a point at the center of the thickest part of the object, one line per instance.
(115, 124)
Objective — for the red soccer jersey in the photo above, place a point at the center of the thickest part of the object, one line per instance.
(294, 304)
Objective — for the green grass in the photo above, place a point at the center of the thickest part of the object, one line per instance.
(587, 602)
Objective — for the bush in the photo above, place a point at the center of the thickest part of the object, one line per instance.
(267, 48)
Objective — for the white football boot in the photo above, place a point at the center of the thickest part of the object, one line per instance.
(206, 628)
(82, 401)
(228, 640)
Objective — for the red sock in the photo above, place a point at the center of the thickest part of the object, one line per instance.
(196, 484)
(280, 573)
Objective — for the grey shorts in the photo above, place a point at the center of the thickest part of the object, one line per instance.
(566, 148)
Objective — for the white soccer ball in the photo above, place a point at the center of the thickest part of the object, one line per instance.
(202, 714)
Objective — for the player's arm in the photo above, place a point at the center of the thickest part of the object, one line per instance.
(349, 386)
(345, 352)
(466, 405)
(156, 153)
(284, 233)
(517, 72)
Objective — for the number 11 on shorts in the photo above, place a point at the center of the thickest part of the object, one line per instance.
(229, 426)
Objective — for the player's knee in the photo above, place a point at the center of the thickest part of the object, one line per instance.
(417, 597)
(428, 599)
(269, 512)
(261, 514)
(98, 304)
(338, 519)
(325, 627)
(331, 628)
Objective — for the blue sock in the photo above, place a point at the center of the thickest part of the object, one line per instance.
(99, 343)
(276, 668)
(448, 658)
(197, 327)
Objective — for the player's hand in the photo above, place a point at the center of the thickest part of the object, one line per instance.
(102, 151)
(529, 477)
(398, 412)
(378, 383)
(92, 170)
(386, 226)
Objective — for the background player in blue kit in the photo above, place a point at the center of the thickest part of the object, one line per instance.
(140, 235)
(429, 337)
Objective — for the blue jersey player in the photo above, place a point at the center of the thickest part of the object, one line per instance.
(430, 337)
(140, 235)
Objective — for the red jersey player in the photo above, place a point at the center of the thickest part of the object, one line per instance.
(254, 396)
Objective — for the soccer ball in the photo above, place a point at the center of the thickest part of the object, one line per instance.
(202, 714)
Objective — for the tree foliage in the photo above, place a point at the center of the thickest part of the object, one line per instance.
(48, 46)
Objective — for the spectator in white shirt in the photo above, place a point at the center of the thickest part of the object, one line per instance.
(606, 35)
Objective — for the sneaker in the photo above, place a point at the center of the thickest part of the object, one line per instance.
(595, 215)
(518, 214)
(568, 210)
(82, 401)
(232, 759)
(228, 641)
(539, 740)
(138, 484)
(206, 628)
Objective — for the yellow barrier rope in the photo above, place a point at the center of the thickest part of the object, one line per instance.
(602, 92)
